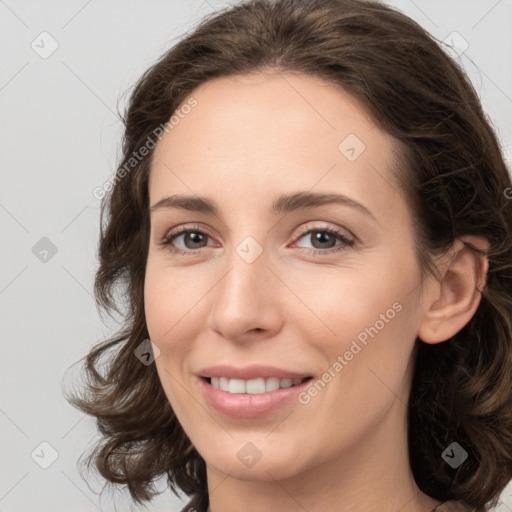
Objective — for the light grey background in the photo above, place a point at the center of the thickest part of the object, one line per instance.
(59, 140)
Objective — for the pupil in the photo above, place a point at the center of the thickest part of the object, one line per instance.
(320, 236)
(195, 237)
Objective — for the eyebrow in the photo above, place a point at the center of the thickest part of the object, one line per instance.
(285, 203)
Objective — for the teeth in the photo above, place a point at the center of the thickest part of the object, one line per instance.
(223, 383)
(236, 386)
(253, 386)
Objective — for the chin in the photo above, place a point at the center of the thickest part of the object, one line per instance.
(251, 461)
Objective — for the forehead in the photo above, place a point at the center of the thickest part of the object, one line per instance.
(273, 131)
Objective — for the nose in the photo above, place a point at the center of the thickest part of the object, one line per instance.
(247, 300)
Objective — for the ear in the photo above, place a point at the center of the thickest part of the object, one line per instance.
(452, 299)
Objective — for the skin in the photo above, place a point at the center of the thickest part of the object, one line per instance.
(249, 139)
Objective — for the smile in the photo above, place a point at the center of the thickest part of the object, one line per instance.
(251, 398)
(253, 386)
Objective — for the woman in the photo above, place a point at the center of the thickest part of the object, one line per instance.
(311, 227)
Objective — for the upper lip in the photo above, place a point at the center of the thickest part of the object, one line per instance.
(250, 372)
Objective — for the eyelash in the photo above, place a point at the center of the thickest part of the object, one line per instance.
(347, 243)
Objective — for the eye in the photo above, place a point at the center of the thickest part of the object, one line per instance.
(192, 238)
(324, 240)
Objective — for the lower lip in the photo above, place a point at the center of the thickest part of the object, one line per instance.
(245, 405)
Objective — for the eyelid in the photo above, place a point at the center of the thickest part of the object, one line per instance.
(186, 227)
(340, 230)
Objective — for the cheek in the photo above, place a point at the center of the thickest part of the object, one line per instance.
(169, 300)
(365, 328)
(156, 303)
(347, 303)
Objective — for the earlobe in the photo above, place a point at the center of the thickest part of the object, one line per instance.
(455, 297)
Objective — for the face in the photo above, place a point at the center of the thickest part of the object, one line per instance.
(261, 284)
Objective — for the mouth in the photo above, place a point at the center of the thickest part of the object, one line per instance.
(251, 391)
(253, 397)
(255, 386)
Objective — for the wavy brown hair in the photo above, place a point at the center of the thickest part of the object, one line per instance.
(452, 174)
